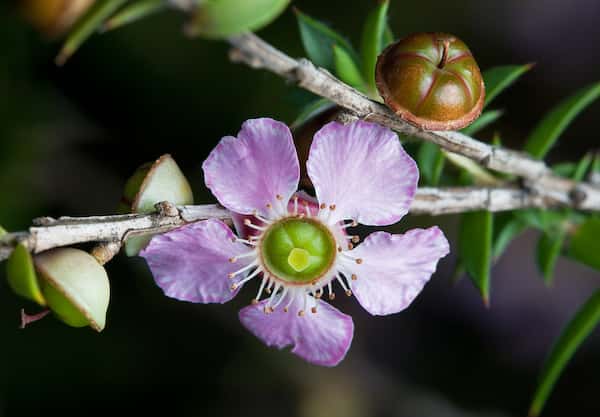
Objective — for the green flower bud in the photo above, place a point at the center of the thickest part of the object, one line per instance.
(223, 18)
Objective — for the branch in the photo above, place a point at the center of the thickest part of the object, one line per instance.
(112, 230)
(253, 51)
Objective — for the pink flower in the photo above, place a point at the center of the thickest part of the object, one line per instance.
(300, 248)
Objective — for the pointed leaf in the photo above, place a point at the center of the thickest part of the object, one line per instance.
(483, 121)
(134, 12)
(318, 40)
(310, 110)
(346, 68)
(372, 41)
(547, 252)
(506, 229)
(576, 331)
(388, 37)
(585, 245)
(431, 163)
(475, 248)
(497, 79)
(553, 125)
(86, 26)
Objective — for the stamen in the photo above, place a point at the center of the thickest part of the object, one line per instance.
(314, 310)
(350, 246)
(248, 223)
(236, 285)
(295, 205)
(307, 208)
(234, 259)
(261, 218)
(353, 238)
(233, 274)
(353, 223)
(260, 290)
(287, 306)
(343, 284)
(357, 260)
(353, 277)
(247, 242)
(330, 291)
(332, 207)
(281, 297)
(323, 206)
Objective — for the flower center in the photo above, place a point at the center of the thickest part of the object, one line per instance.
(297, 250)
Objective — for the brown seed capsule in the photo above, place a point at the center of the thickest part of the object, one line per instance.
(431, 80)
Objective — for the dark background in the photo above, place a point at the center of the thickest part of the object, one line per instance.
(70, 136)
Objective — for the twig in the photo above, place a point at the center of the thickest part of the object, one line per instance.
(112, 231)
(256, 53)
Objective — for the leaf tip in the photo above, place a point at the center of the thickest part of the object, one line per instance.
(63, 56)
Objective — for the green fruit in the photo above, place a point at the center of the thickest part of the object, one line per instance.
(150, 184)
(224, 18)
(75, 286)
(20, 272)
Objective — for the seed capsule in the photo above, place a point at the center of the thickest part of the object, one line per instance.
(432, 81)
(75, 286)
(153, 182)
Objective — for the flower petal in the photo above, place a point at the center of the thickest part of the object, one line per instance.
(395, 268)
(191, 263)
(362, 169)
(321, 338)
(248, 172)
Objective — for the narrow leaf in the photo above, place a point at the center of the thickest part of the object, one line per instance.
(134, 12)
(388, 37)
(346, 68)
(475, 249)
(372, 41)
(585, 245)
(506, 229)
(311, 109)
(547, 132)
(431, 163)
(483, 121)
(318, 40)
(547, 252)
(86, 26)
(576, 331)
(497, 79)
(582, 167)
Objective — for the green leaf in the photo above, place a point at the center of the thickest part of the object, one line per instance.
(86, 25)
(310, 110)
(431, 163)
(547, 132)
(483, 121)
(506, 229)
(134, 12)
(318, 40)
(580, 326)
(475, 249)
(2, 231)
(585, 245)
(220, 19)
(540, 219)
(372, 41)
(547, 252)
(497, 79)
(346, 68)
(582, 167)
(388, 37)
(21, 275)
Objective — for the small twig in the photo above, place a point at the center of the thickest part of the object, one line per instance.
(253, 51)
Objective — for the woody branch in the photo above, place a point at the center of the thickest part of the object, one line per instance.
(537, 177)
(48, 233)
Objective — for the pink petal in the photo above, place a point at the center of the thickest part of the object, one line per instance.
(395, 268)
(248, 172)
(362, 169)
(191, 263)
(321, 338)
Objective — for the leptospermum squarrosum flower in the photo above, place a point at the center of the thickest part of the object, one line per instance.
(300, 249)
